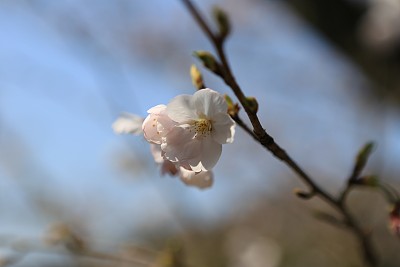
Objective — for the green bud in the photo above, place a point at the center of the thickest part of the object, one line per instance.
(197, 78)
(252, 104)
(368, 180)
(208, 61)
(233, 108)
(364, 153)
(304, 195)
(361, 159)
(228, 100)
(222, 21)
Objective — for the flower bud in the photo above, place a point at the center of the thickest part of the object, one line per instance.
(208, 61)
(362, 158)
(222, 21)
(233, 108)
(252, 104)
(228, 100)
(304, 195)
(197, 78)
(367, 180)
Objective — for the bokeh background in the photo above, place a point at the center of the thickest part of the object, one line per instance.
(326, 76)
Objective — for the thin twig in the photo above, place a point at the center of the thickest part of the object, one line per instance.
(243, 125)
(266, 140)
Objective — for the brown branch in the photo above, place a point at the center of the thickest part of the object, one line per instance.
(266, 140)
(243, 125)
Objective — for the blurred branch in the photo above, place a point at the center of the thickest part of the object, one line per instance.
(258, 132)
(24, 247)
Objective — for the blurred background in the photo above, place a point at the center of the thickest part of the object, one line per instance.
(326, 76)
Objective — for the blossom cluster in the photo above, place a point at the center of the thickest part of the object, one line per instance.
(186, 136)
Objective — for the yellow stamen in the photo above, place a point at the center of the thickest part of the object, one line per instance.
(202, 127)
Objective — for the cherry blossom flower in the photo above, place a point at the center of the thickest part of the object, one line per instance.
(186, 136)
(130, 123)
(201, 125)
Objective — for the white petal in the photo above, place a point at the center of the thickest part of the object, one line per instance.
(181, 109)
(179, 145)
(195, 164)
(211, 151)
(200, 154)
(128, 124)
(209, 103)
(223, 129)
(200, 180)
(157, 109)
(156, 152)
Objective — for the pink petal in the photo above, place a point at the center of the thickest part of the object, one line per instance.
(150, 130)
(157, 124)
(169, 168)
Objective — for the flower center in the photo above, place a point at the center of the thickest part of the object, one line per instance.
(202, 127)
